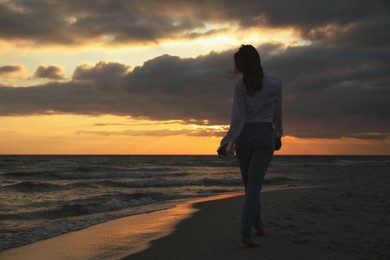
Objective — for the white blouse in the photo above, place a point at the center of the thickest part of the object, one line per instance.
(264, 106)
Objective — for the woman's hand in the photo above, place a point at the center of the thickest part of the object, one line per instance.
(229, 146)
(222, 150)
(278, 143)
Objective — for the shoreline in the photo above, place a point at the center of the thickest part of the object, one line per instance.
(169, 205)
(301, 223)
(119, 235)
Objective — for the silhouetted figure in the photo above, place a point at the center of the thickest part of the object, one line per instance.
(255, 132)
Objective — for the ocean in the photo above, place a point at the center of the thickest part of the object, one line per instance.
(43, 196)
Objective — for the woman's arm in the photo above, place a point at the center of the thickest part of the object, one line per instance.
(277, 120)
(237, 120)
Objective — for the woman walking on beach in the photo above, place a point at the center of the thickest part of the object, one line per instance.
(255, 132)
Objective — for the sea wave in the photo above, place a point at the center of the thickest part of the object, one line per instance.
(28, 186)
(146, 182)
(99, 204)
(50, 227)
(90, 174)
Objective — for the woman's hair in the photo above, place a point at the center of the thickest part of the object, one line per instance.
(247, 61)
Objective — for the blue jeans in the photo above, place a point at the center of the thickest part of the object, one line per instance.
(255, 149)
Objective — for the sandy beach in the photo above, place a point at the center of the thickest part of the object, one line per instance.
(335, 222)
(347, 221)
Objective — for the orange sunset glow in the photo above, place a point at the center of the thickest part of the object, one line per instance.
(108, 77)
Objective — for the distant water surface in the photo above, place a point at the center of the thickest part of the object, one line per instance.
(45, 196)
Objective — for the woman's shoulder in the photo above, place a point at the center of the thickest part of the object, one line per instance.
(272, 81)
(240, 84)
(270, 78)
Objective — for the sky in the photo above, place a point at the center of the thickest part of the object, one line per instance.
(152, 77)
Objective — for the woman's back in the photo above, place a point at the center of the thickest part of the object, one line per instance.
(261, 107)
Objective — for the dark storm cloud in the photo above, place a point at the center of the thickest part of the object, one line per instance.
(49, 72)
(124, 21)
(333, 91)
(338, 86)
(10, 69)
(163, 88)
(329, 91)
(77, 22)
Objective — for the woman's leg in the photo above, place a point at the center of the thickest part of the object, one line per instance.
(258, 166)
(258, 221)
(244, 156)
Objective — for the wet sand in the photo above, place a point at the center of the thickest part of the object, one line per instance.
(110, 240)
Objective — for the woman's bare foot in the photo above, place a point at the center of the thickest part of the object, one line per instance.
(259, 232)
(248, 242)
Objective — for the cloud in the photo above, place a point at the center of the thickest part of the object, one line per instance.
(137, 123)
(338, 86)
(49, 72)
(164, 88)
(11, 73)
(10, 69)
(145, 21)
(160, 132)
(372, 136)
(330, 91)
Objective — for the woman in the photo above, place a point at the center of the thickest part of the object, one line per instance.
(255, 131)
